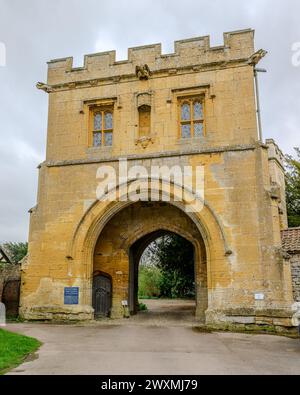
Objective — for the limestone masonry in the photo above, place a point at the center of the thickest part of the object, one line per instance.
(194, 107)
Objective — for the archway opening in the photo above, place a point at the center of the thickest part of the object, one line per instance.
(162, 280)
(121, 244)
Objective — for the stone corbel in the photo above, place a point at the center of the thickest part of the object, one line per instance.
(212, 93)
(275, 192)
(119, 103)
(169, 99)
(93, 83)
(144, 141)
(81, 111)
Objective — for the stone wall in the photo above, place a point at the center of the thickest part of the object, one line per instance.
(295, 267)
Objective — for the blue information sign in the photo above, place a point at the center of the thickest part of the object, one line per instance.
(71, 295)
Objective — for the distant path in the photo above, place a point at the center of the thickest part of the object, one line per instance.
(167, 312)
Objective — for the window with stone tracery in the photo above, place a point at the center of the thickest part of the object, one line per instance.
(191, 118)
(102, 127)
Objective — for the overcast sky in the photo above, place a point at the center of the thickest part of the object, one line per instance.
(35, 31)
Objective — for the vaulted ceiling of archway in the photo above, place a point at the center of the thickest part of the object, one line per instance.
(141, 219)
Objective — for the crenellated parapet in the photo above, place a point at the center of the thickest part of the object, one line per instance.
(196, 54)
(277, 178)
(275, 153)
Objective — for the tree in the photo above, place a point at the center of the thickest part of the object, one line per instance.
(16, 251)
(167, 268)
(176, 262)
(293, 188)
(174, 256)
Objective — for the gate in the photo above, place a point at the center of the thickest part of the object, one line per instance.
(11, 297)
(102, 296)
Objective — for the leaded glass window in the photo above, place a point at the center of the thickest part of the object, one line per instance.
(108, 138)
(198, 129)
(186, 131)
(97, 139)
(198, 110)
(108, 124)
(185, 112)
(98, 121)
(191, 118)
(102, 128)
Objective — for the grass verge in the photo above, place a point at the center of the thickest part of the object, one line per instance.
(14, 349)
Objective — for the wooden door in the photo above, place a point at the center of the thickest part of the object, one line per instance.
(11, 297)
(102, 296)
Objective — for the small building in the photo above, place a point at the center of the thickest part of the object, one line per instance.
(4, 256)
(10, 280)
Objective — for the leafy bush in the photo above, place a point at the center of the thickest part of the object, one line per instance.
(149, 282)
(142, 307)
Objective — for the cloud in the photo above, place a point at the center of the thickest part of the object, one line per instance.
(38, 30)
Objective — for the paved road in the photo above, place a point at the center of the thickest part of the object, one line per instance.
(164, 312)
(131, 348)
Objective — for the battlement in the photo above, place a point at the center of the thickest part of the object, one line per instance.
(275, 152)
(238, 46)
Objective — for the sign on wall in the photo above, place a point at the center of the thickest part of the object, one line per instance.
(259, 296)
(71, 295)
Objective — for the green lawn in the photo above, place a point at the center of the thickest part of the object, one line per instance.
(14, 348)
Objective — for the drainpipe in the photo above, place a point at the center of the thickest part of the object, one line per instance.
(256, 70)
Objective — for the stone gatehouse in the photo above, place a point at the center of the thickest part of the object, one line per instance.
(194, 107)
